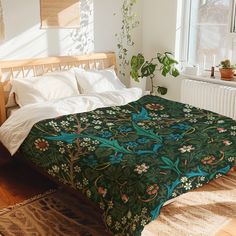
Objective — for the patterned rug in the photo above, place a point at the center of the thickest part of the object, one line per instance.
(201, 212)
(51, 214)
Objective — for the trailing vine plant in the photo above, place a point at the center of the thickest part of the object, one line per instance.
(124, 38)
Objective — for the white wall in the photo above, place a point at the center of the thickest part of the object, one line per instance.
(25, 39)
(108, 22)
(100, 21)
(99, 24)
(159, 31)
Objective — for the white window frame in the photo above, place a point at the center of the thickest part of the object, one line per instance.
(233, 17)
(182, 40)
(183, 30)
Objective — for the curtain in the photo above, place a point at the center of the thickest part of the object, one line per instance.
(2, 26)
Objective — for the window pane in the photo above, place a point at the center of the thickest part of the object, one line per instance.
(209, 40)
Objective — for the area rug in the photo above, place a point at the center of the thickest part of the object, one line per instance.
(57, 213)
(202, 212)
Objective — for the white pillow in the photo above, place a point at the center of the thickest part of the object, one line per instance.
(11, 101)
(97, 81)
(49, 87)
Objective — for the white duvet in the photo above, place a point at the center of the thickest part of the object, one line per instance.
(17, 127)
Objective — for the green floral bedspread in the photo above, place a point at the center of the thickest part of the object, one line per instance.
(131, 159)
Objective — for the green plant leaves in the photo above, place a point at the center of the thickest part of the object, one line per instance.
(147, 133)
(137, 61)
(162, 90)
(171, 165)
(148, 69)
(168, 64)
(135, 75)
(141, 68)
(174, 72)
(125, 39)
(136, 64)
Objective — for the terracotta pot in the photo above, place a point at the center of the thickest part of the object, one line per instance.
(227, 73)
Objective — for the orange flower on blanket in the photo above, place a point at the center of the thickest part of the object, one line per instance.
(124, 198)
(153, 189)
(227, 142)
(155, 106)
(102, 191)
(41, 144)
(221, 130)
(208, 160)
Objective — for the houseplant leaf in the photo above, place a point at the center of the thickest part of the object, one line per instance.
(148, 69)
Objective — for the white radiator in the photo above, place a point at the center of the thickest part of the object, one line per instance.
(214, 97)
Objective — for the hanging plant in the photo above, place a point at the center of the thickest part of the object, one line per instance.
(125, 40)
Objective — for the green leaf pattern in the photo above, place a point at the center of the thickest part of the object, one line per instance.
(131, 159)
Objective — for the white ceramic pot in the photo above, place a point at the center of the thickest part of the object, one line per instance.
(141, 84)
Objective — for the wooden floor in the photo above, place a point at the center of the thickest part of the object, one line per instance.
(19, 182)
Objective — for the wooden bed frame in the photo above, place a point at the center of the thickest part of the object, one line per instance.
(35, 67)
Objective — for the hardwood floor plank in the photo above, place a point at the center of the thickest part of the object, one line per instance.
(18, 181)
(224, 233)
(230, 228)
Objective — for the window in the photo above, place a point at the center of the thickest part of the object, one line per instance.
(209, 34)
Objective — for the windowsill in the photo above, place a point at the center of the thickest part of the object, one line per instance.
(208, 79)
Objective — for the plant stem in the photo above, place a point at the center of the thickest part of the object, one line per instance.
(152, 83)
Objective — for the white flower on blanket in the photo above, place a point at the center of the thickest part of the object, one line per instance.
(141, 168)
(231, 159)
(233, 127)
(111, 112)
(188, 148)
(83, 119)
(233, 133)
(56, 169)
(184, 179)
(188, 186)
(52, 123)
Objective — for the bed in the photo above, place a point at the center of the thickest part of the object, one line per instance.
(128, 155)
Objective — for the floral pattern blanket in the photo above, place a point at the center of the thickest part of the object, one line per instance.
(131, 159)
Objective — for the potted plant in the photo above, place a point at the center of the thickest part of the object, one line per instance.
(226, 70)
(142, 69)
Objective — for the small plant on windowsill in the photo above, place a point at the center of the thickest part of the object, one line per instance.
(227, 70)
(142, 69)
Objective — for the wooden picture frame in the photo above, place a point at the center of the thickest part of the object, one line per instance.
(60, 14)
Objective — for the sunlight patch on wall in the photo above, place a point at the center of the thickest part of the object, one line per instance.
(57, 13)
(31, 42)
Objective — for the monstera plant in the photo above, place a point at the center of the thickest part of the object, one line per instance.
(141, 68)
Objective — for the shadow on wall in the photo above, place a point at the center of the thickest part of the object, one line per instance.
(25, 39)
(83, 37)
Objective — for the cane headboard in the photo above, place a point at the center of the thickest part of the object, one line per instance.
(36, 67)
